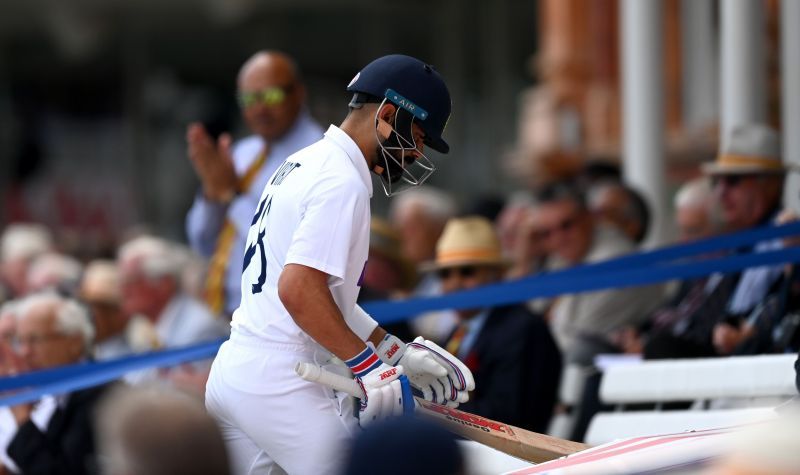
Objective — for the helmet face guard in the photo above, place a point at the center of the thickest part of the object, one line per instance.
(401, 164)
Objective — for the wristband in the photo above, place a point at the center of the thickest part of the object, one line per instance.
(364, 362)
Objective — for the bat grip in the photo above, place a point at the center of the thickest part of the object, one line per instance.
(315, 374)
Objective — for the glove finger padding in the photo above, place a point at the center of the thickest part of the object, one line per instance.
(451, 388)
(384, 395)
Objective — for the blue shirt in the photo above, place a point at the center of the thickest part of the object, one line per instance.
(206, 218)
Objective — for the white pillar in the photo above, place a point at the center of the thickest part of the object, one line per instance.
(743, 69)
(699, 60)
(790, 97)
(643, 108)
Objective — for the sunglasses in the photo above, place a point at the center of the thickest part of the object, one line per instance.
(563, 226)
(271, 96)
(729, 181)
(463, 271)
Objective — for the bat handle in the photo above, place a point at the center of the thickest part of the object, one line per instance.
(315, 374)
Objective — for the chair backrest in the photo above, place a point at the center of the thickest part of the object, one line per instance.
(705, 378)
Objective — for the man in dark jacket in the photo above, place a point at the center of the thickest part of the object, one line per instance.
(54, 331)
(510, 351)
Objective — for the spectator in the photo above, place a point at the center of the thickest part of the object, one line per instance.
(510, 351)
(19, 246)
(9, 361)
(696, 212)
(619, 205)
(101, 291)
(582, 322)
(420, 214)
(515, 228)
(682, 327)
(158, 431)
(53, 331)
(272, 97)
(54, 271)
(388, 274)
(748, 182)
(162, 315)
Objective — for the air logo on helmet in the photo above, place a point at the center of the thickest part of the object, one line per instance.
(401, 101)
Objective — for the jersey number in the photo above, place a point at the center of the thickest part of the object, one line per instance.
(263, 210)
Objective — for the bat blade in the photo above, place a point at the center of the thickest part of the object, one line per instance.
(517, 442)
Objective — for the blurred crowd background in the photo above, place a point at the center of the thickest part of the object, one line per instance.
(546, 171)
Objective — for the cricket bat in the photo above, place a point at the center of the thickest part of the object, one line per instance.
(520, 443)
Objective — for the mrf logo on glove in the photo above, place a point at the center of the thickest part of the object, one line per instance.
(385, 395)
(388, 373)
(391, 352)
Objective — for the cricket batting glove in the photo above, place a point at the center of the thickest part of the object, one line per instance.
(439, 376)
(386, 389)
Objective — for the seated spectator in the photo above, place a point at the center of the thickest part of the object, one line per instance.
(617, 204)
(510, 351)
(583, 322)
(9, 361)
(429, 449)
(748, 181)
(100, 290)
(53, 331)
(519, 242)
(19, 246)
(696, 211)
(158, 431)
(54, 271)
(388, 273)
(419, 214)
(163, 316)
(683, 326)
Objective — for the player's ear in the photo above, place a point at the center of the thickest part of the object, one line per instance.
(385, 115)
(387, 112)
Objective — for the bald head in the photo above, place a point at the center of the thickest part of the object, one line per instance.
(272, 80)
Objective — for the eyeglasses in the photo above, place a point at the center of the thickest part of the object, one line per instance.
(271, 96)
(464, 271)
(565, 225)
(34, 340)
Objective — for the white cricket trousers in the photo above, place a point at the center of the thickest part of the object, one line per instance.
(273, 421)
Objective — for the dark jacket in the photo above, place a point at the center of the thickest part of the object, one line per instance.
(517, 368)
(67, 447)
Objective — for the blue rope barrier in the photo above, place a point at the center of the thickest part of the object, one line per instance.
(638, 269)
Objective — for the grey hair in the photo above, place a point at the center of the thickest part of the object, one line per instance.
(696, 193)
(24, 241)
(158, 257)
(54, 269)
(699, 193)
(435, 203)
(71, 317)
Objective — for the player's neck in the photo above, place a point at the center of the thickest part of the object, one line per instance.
(363, 134)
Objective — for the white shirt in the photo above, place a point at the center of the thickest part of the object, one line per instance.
(206, 218)
(314, 211)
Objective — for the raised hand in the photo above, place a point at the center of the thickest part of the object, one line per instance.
(213, 162)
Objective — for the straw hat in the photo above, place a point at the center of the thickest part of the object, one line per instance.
(467, 241)
(751, 149)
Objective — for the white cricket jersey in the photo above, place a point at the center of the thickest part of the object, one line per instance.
(314, 211)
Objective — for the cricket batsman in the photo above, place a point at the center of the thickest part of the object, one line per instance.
(306, 252)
